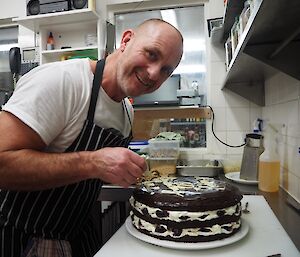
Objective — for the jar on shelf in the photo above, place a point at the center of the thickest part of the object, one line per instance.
(234, 34)
(50, 42)
(244, 17)
(228, 52)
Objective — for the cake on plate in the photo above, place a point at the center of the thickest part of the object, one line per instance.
(186, 209)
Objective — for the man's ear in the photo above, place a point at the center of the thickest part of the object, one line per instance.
(126, 36)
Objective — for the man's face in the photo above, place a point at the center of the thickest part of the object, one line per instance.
(149, 56)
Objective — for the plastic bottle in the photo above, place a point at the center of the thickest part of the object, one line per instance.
(50, 42)
(269, 163)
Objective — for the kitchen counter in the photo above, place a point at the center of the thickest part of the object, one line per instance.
(266, 237)
(287, 215)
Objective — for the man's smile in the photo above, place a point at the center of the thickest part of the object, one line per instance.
(146, 84)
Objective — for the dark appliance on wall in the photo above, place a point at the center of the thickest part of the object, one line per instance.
(35, 7)
(8, 80)
(29, 59)
(166, 95)
(15, 63)
(80, 4)
(110, 38)
(15, 60)
(22, 60)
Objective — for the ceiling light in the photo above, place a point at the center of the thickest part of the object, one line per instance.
(169, 16)
(7, 47)
(193, 45)
(185, 69)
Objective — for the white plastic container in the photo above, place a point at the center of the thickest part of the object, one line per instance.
(159, 167)
(163, 148)
(163, 166)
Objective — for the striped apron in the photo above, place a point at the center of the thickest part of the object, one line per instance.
(62, 213)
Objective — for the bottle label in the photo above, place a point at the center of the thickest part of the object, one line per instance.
(50, 47)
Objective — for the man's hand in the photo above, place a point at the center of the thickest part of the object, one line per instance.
(118, 165)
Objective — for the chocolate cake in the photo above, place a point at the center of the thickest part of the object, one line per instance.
(186, 209)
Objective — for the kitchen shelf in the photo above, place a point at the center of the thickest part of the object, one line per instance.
(70, 30)
(244, 75)
(57, 54)
(270, 42)
(33, 22)
(172, 112)
(67, 50)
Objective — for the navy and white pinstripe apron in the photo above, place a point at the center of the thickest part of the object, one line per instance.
(62, 212)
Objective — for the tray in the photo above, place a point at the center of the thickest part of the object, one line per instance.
(205, 168)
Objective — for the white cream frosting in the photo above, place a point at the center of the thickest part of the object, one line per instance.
(191, 216)
(181, 187)
(214, 230)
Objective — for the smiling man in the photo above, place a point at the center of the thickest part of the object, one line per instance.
(148, 56)
(65, 131)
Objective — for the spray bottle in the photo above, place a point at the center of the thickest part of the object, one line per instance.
(269, 163)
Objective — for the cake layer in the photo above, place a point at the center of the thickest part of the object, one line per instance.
(203, 234)
(187, 193)
(187, 221)
(186, 215)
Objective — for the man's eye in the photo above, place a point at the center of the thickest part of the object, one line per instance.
(151, 55)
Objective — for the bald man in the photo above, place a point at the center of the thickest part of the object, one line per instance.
(65, 131)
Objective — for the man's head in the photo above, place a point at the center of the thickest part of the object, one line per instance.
(147, 56)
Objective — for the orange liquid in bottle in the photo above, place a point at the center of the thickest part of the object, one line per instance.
(269, 176)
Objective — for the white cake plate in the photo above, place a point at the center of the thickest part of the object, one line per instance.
(235, 176)
(187, 246)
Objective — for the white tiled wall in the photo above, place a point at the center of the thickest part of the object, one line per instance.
(283, 107)
(234, 115)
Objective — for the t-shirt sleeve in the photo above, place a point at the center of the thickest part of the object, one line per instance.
(39, 100)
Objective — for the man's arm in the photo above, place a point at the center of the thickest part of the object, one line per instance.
(24, 165)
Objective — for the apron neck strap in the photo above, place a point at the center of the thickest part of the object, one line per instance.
(95, 89)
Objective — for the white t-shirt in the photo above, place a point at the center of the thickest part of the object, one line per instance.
(53, 100)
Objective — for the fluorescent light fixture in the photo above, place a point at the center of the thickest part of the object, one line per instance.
(193, 45)
(185, 69)
(6, 47)
(169, 16)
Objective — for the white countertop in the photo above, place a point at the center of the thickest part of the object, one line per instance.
(266, 237)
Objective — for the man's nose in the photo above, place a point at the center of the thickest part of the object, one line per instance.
(153, 72)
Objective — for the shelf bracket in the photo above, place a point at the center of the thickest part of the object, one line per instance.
(284, 43)
(254, 91)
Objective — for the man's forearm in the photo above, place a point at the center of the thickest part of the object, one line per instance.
(33, 170)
